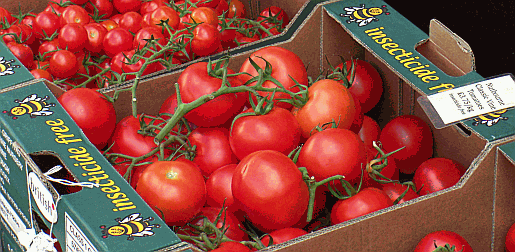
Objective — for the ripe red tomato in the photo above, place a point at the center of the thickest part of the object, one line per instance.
(227, 220)
(366, 201)
(173, 189)
(510, 239)
(128, 67)
(236, 9)
(277, 13)
(231, 246)
(414, 134)
(269, 188)
(277, 130)
(206, 40)
(194, 82)
(328, 101)
(370, 131)
(104, 8)
(92, 112)
(438, 239)
(436, 174)
(126, 139)
(74, 14)
(205, 15)
(149, 6)
(282, 235)
(206, 3)
(218, 185)
(73, 37)
(222, 7)
(23, 32)
(333, 152)
(117, 40)
(47, 48)
(285, 66)
(5, 15)
(142, 37)
(164, 14)
(96, 33)
(131, 21)
(109, 24)
(63, 64)
(394, 190)
(390, 170)
(212, 149)
(23, 53)
(367, 85)
(41, 74)
(45, 24)
(123, 6)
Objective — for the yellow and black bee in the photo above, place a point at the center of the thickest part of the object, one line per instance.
(32, 105)
(363, 16)
(132, 226)
(6, 66)
(490, 119)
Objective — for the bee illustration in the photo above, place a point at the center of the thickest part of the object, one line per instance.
(32, 105)
(363, 16)
(6, 67)
(490, 119)
(132, 226)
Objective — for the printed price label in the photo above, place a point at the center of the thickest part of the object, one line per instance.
(76, 241)
(473, 100)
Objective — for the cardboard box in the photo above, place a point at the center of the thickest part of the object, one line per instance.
(467, 208)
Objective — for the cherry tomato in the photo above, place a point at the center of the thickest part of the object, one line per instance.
(204, 15)
(414, 134)
(109, 24)
(231, 246)
(73, 37)
(370, 131)
(206, 40)
(41, 74)
(47, 48)
(46, 23)
(270, 189)
(126, 139)
(23, 53)
(236, 9)
(74, 14)
(218, 185)
(286, 65)
(63, 64)
(102, 8)
(395, 190)
(96, 33)
(144, 35)
(92, 112)
(441, 238)
(436, 174)
(123, 6)
(174, 189)
(366, 201)
(328, 101)
(206, 3)
(510, 239)
(277, 130)
(23, 32)
(131, 21)
(149, 6)
(5, 16)
(117, 40)
(280, 20)
(282, 235)
(222, 7)
(390, 171)
(164, 14)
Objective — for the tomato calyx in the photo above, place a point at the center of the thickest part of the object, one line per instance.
(446, 248)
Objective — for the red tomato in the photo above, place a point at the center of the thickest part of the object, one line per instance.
(47, 48)
(102, 8)
(131, 21)
(41, 74)
(45, 24)
(227, 220)
(123, 6)
(63, 64)
(212, 149)
(54, 7)
(117, 40)
(358, 118)
(390, 170)
(439, 239)
(23, 32)
(328, 101)
(74, 14)
(367, 85)
(92, 112)
(414, 134)
(194, 82)
(270, 189)
(436, 174)
(510, 239)
(333, 152)
(222, 7)
(276, 13)
(173, 189)
(394, 190)
(23, 53)
(206, 3)
(126, 139)
(73, 37)
(366, 201)
(206, 40)
(5, 15)
(145, 34)
(277, 130)
(96, 33)
(369, 131)
(128, 67)
(231, 246)
(109, 24)
(149, 6)
(164, 14)
(282, 235)
(204, 15)
(218, 185)
(236, 9)
(285, 66)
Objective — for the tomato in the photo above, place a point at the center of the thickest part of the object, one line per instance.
(276, 13)
(390, 171)
(206, 3)
(143, 36)
(414, 134)
(117, 40)
(206, 40)
(333, 152)
(438, 239)
(63, 64)
(282, 235)
(285, 66)
(277, 130)
(227, 220)
(173, 189)
(227, 36)
(149, 6)
(327, 101)
(367, 85)
(212, 149)
(269, 188)
(73, 37)
(96, 33)
(510, 239)
(23, 32)
(41, 74)
(123, 6)
(131, 21)
(5, 16)
(222, 7)
(218, 185)
(164, 14)
(366, 201)
(204, 15)
(126, 139)
(236, 9)
(109, 24)
(394, 190)
(194, 82)
(128, 67)
(231, 246)
(370, 131)
(436, 174)
(54, 7)
(74, 14)
(45, 24)
(103, 8)
(92, 112)
(23, 53)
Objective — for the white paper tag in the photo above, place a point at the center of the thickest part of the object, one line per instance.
(42, 197)
(474, 99)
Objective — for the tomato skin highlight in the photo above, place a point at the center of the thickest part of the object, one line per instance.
(269, 188)
(175, 188)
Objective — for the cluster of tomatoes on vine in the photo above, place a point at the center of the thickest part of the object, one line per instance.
(96, 43)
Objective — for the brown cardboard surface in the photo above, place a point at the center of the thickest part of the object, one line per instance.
(504, 200)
